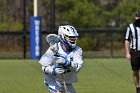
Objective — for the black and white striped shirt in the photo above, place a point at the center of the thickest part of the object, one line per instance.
(133, 35)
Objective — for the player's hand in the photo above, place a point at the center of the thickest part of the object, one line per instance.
(60, 60)
(128, 56)
(63, 61)
(57, 70)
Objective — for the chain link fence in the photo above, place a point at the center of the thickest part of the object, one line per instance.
(95, 43)
(15, 34)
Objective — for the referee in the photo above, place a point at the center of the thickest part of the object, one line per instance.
(132, 47)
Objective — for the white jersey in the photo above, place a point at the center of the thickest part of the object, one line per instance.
(48, 60)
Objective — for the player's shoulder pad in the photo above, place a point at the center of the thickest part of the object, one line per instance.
(77, 48)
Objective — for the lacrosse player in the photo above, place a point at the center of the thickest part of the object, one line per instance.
(62, 61)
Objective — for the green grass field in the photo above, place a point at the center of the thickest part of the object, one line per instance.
(97, 76)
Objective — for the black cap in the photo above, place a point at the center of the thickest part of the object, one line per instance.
(137, 14)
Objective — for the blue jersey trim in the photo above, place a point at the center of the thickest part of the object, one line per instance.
(51, 89)
(67, 52)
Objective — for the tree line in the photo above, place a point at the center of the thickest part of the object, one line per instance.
(80, 13)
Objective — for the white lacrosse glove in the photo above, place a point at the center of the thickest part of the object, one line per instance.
(76, 66)
(63, 61)
(56, 70)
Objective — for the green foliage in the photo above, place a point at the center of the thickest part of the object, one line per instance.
(4, 26)
(123, 14)
(85, 14)
(80, 13)
(87, 43)
(12, 27)
(17, 27)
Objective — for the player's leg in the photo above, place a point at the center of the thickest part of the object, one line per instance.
(136, 77)
(55, 92)
(135, 63)
(70, 89)
(54, 87)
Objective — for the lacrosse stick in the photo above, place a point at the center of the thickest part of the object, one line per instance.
(51, 40)
(64, 83)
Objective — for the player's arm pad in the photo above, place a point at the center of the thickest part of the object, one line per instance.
(77, 62)
(47, 70)
(76, 66)
(46, 61)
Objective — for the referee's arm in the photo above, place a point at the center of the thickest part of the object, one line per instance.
(127, 43)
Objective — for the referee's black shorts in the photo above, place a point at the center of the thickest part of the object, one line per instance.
(135, 59)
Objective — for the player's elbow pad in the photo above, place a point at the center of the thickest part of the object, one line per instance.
(76, 66)
(47, 70)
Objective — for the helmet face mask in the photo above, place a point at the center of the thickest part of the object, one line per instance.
(71, 39)
(68, 35)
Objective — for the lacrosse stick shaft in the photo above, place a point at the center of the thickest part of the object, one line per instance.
(52, 39)
(64, 83)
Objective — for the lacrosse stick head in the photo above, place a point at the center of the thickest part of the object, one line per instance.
(52, 39)
(68, 35)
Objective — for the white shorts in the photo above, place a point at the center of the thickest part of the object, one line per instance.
(55, 86)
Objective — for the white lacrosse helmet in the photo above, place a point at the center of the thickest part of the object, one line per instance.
(68, 35)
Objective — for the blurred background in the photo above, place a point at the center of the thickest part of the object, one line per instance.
(100, 23)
